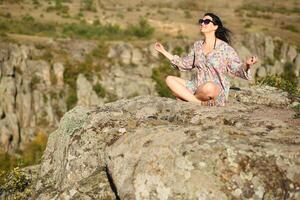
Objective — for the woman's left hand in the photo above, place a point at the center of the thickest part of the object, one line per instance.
(251, 61)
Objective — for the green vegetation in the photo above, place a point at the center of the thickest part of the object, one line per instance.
(71, 99)
(35, 80)
(29, 26)
(58, 7)
(187, 14)
(100, 51)
(297, 110)
(286, 81)
(188, 5)
(99, 89)
(89, 5)
(254, 7)
(14, 184)
(13, 181)
(141, 30)
(290, 28)
(159, 75)
(31, 154)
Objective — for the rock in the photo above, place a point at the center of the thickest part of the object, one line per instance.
(278, 67)
(137, 56)
(62, 174)
(263, 95)
(58, 69)
(297, 65)
(269, 47)
(85, 92)
(261, 72)
(292, 53)
(283, 52)
(158, 148)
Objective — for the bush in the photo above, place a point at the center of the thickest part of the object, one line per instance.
(14, 183)
(159, 75)
(100, 91)
(142, 29)
(287, 81)
(71, 99)
(30, 155)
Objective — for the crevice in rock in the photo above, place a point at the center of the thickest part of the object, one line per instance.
(111, 183)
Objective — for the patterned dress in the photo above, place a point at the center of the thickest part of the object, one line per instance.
(214, 66)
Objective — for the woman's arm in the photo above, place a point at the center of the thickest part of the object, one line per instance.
(183, 63)
(235, 66)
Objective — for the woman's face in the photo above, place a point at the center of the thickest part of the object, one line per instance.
(205, 28)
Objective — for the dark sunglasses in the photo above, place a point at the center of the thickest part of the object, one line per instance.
(206, 21)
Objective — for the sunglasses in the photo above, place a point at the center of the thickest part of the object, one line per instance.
(206, 21)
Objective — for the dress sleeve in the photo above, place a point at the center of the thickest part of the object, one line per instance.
(185, 62)
(235, 66)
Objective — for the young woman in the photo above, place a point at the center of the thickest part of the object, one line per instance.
(213, 58)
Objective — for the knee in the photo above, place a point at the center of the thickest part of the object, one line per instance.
(169, 79)
(210, 89)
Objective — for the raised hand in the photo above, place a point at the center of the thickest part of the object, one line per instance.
(252, 60)
(159, 47)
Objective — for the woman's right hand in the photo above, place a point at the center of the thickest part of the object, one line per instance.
(159, 47)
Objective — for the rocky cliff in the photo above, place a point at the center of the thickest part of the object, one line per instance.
(39, 83)
(158, 148)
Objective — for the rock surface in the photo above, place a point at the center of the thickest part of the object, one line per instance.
(158, 148)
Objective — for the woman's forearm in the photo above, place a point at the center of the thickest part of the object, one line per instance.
(167, 55)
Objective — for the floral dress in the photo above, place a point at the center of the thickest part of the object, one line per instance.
(214, 66)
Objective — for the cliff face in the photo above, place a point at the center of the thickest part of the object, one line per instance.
(159, 148)
(38, 84)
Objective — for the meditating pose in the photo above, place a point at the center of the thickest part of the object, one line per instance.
(213, 58)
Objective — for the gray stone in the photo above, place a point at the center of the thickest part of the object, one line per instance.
(146, 148)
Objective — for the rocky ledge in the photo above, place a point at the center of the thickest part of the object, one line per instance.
(159, 148)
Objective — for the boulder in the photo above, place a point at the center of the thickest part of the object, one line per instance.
(159, 148)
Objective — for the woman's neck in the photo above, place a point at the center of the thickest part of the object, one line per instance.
(210, 38)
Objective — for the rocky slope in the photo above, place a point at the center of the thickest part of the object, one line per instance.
(158, 148)
(39, 83)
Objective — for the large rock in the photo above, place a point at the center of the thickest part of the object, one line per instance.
(158, 148)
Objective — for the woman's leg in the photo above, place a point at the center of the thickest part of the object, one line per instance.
(177, 86)
(208, 91)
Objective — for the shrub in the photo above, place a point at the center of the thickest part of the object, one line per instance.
(287, 81)
(291, 28)
(142, 29)
(14, 183)
(159, 74)
(30, 155)
(71, 99)
(297, 110)
(100, 91)
(101, 50)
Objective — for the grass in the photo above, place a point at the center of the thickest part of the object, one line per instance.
(254, 7)
(29, 26)
(291, 28)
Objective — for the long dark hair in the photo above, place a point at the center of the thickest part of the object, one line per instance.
(222, 33)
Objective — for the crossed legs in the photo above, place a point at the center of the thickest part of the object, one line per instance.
(204, 92)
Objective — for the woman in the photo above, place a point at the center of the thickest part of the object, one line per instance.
(213, 58)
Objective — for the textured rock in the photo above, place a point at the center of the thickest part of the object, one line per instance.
(58, 69)
(158, 148)
(85, 93)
